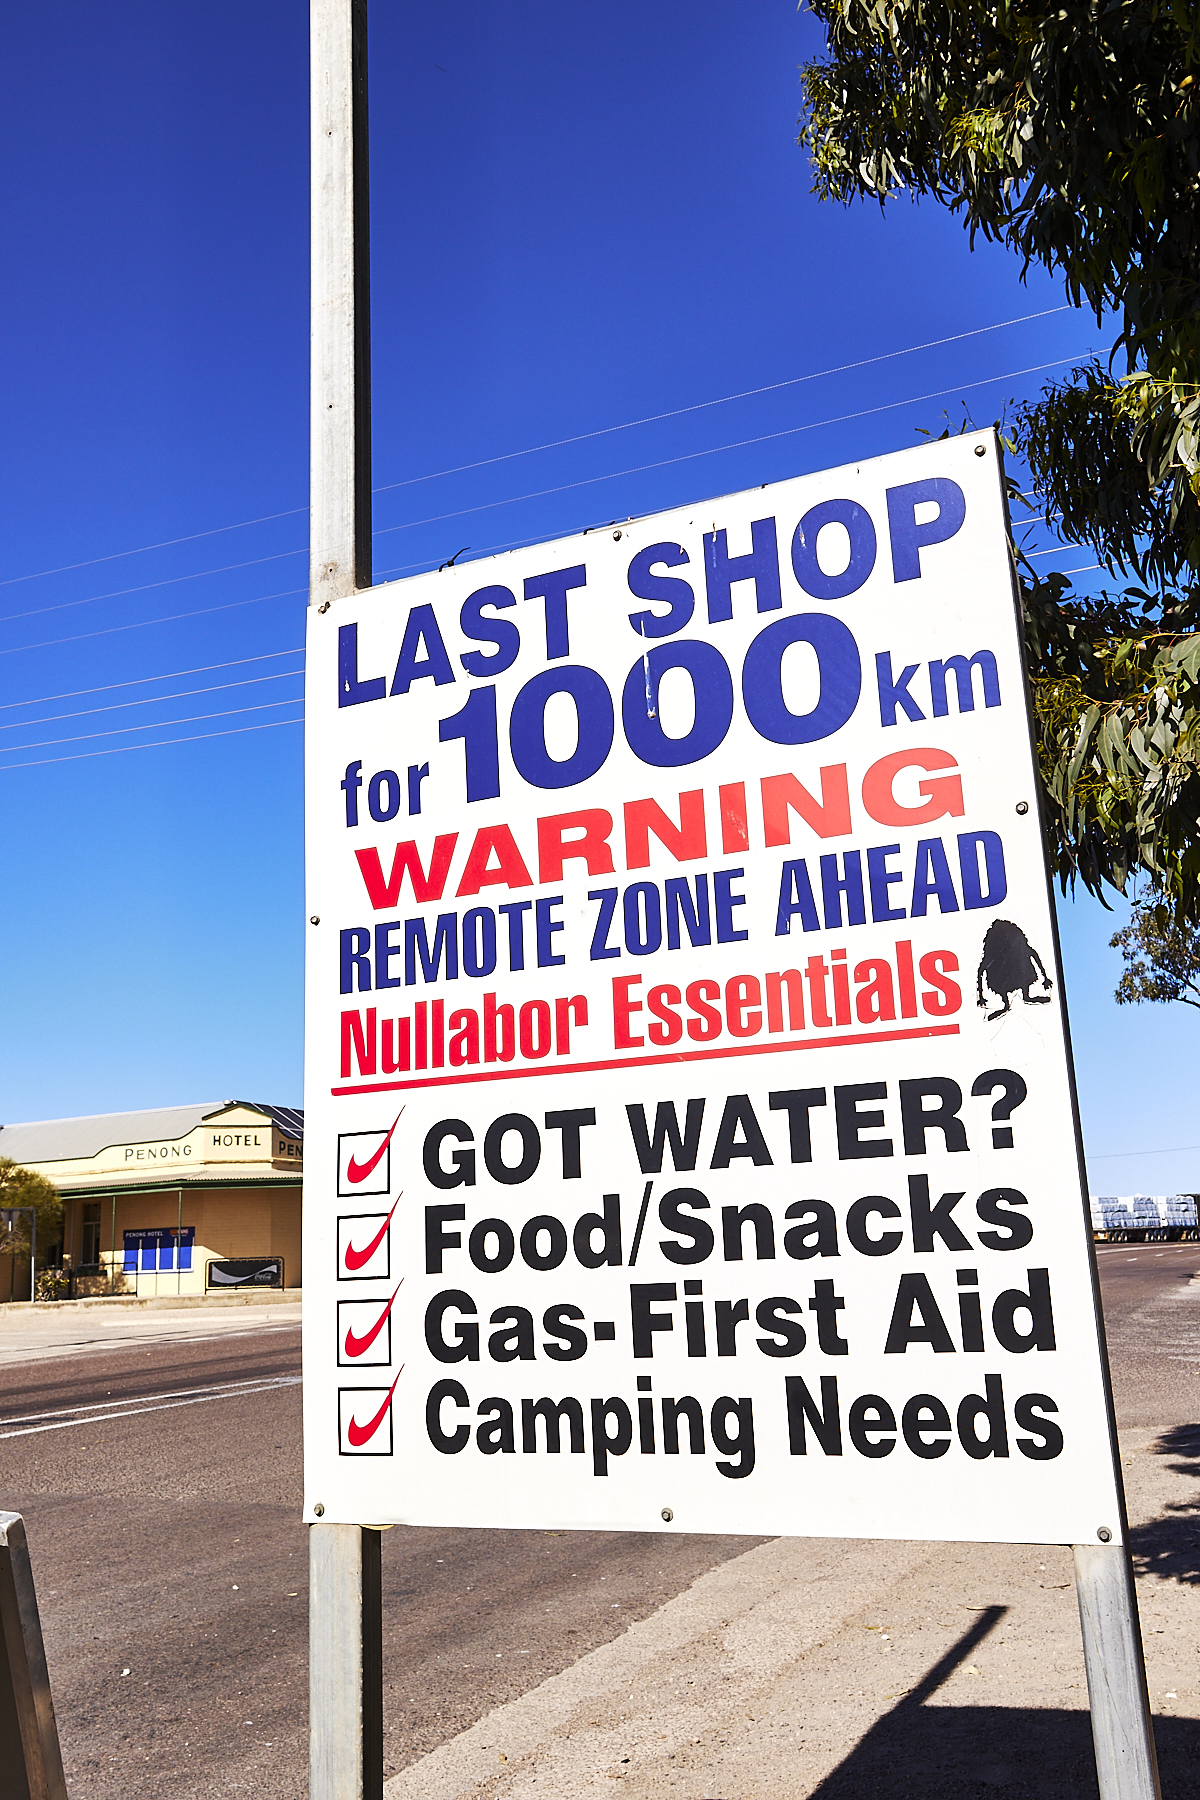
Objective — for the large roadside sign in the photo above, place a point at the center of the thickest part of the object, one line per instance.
(691, 1129)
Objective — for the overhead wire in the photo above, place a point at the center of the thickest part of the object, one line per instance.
(109, 687)
(137, 624)
(746, 394)
(191, 537)
(716, 449)
(194, 737)
(87, 712)
(542, 493)
(556, 444)
(589, 481)
(84, 737)
(1054, 550)
(145, 587)
(570, 486)
(1111, 1155)
(485, 506)
(566, 487)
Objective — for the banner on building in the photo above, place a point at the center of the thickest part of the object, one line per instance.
(156, 1247)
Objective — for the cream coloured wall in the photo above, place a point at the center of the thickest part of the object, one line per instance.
(243, 1221)
(285, 1233)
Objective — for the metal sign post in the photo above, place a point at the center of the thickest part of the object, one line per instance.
(1122, 1729)
(30, 1758)
(345, 1618)
(717, 1173)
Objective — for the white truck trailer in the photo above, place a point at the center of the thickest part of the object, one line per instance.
(1144, 1218)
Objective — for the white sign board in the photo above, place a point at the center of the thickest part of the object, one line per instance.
(690, 1128)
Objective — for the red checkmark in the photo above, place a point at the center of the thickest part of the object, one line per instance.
(356, 1171)
(356, 1345)
(362, 1434)
(356, 1258)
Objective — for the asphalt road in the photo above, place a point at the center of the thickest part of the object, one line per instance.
(161, 1489)
(160, 1485)
(1150, 1319)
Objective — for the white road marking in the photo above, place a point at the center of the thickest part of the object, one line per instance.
(210, 1387)
(133, 1409)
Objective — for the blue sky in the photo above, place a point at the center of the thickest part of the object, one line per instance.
(581, 217)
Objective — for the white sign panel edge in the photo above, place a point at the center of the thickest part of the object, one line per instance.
(865, 888)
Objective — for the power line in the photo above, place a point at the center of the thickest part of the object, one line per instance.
(144, 587)
(137, 624)
(139, 680)
(1112, 1155)
(191, 537)
(566, 487)
(439, 518)
(156, 725)
(746, 394)
(557, 444)
(121, 749)
(542, 493)
(218, 687)
(716, 449)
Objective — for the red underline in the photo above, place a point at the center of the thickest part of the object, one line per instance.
(643, 1062)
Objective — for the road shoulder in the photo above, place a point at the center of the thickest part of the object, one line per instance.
(790, 1668)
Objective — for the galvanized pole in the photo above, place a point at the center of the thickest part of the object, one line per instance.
(345, 1664)
(30, 1759)
(1126, 1764)
(340, 480)
(345, 1604)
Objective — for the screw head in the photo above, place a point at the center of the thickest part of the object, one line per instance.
(1104, 1534)
(319, 1510)
(616, 536)
(667, 1514)
(316, 919)
(981, 449)
(1022, 808)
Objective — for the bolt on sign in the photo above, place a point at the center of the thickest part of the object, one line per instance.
(693, 1134)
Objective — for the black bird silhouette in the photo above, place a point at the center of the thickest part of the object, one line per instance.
(1010, 965)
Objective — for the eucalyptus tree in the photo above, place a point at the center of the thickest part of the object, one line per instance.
(1071, 134)
(1162, 959)
(26, 1189)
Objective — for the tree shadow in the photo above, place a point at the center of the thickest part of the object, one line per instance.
(921, 1751)
(924, 1752)
(1170, 1546)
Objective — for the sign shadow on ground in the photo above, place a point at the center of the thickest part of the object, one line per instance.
(966, 1752)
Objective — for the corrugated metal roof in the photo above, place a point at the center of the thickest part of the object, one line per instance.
(62, 1140)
